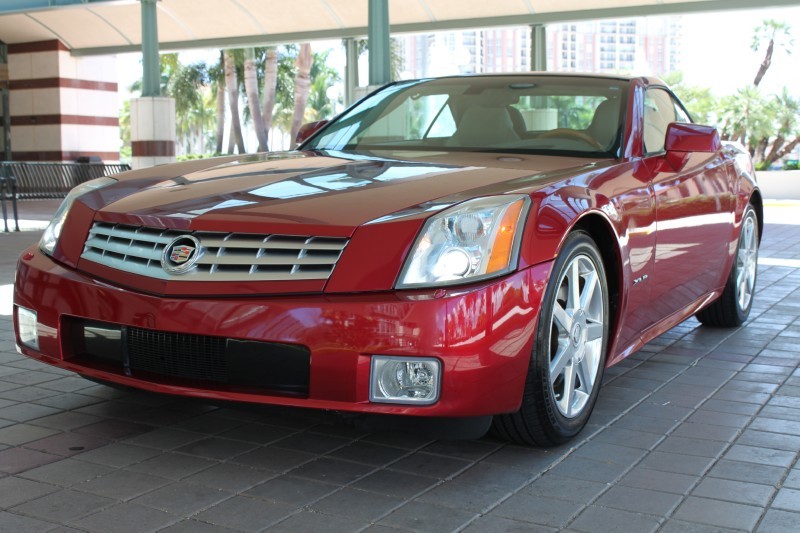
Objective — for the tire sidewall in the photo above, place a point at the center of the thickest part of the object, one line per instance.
(578, 243)
(742, 314)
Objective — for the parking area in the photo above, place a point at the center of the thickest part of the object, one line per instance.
(700, 431)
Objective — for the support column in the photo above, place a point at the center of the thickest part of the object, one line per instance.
(153, 130)
(350, 71)
(538, 48)
(6, 137)
(380, 59)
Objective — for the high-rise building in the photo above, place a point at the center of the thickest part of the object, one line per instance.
(644, 45)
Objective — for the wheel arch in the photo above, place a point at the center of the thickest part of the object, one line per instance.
(603, 234)
(758, 204)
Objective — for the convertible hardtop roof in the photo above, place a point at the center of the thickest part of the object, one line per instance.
(649, 80)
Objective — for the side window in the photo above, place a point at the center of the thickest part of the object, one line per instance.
(680, 114)
(426, 116)
(659, 111)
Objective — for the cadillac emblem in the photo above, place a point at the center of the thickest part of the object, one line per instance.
(181, 254)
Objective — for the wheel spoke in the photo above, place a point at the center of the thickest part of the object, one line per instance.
(569, 390)
(562, 358)
(594, 331)
(588, 290)
(561, 319)
(574, 278)
(584, 372)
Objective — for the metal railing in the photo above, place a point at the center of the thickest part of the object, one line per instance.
(37, 180)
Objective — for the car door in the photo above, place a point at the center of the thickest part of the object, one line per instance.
(694, 220)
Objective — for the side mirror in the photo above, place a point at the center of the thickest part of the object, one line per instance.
(682, 137)
(307, 130)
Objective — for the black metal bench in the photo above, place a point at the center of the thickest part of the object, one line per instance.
(38, 181)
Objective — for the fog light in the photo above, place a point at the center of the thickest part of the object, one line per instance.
(404, 380)
(26, 325)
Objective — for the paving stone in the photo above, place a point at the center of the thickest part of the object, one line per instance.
(776, 521)
(216, 448)
(113, 429)
(587, 469)
(464, 496)
(424, 516)
(117, 455)
(565, 488)
(792, 480)
(126, 517)
(497, 524)
(66, 420)
(607, 452)
(680, 526)
(194, 526)
(331, 471)
(680, 464)
(311, 443)
(64, 506)
(66, 444)
(14, 491)
(67, 472)
(358, 504)
(774, 425)
(308, 521)
(539, 509)
(691, 446)
(292, 490)
(470, 450)
(22, 524)
(644, 478)
(165, 438)
(182, 499)
(596, 519)
(230, 477)
(787, 499)
(17, 434)
(764, 456)
(749, 472)
(705, 431)
(495, 476)
(368, 453)
(426, 464)
(172, 465)
(734, 491)
(257, 433)
(396, 484)
(16, 460)
(525, 458)
(122, 484)
(246, 514)
(639, 500)
(272, 458)
(718, 513)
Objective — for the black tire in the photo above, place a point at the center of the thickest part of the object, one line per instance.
(732, 308)
(545, 417)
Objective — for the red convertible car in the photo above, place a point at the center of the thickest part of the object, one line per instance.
(468, 248)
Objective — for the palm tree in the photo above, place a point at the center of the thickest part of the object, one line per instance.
(787, 110)
(770, 31)
(253, 101)
(270, 86)
(218, 75)
(748, 117)
(302, 85)
(232, 87)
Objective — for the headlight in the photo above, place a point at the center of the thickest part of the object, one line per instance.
(471, 241)
(53, 230)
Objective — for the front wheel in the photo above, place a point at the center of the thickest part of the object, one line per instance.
(569, 351)
(733, 307)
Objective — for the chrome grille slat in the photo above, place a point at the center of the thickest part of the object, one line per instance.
(226, 256)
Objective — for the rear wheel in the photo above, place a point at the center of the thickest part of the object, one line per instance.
(569, 351)
(733, 307)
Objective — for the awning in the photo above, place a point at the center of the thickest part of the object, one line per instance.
(113, 26)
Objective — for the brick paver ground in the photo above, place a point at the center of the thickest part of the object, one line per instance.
(699, 431)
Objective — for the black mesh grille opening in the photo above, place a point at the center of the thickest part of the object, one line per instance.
(194, 357)
(202, 361)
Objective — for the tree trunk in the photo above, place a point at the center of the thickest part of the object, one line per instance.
(302, 86)
(777, 144)
(762, 69)
(253, 101)
(220, 135)
(786, 150)
(231, 139)
(761, 150)
(270, 87)
(232, 84)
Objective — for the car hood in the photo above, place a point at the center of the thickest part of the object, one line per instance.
(325, 193)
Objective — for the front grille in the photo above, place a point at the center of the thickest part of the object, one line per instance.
(200, 361)
(223, 256)
(194, 357)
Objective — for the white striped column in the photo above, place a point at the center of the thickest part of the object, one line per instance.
(153, 131)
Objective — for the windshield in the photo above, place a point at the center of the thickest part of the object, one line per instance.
(566, 115)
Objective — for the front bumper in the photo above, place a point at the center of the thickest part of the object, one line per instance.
(483, 335)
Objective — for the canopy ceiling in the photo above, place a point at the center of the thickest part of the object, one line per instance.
(114, 26)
